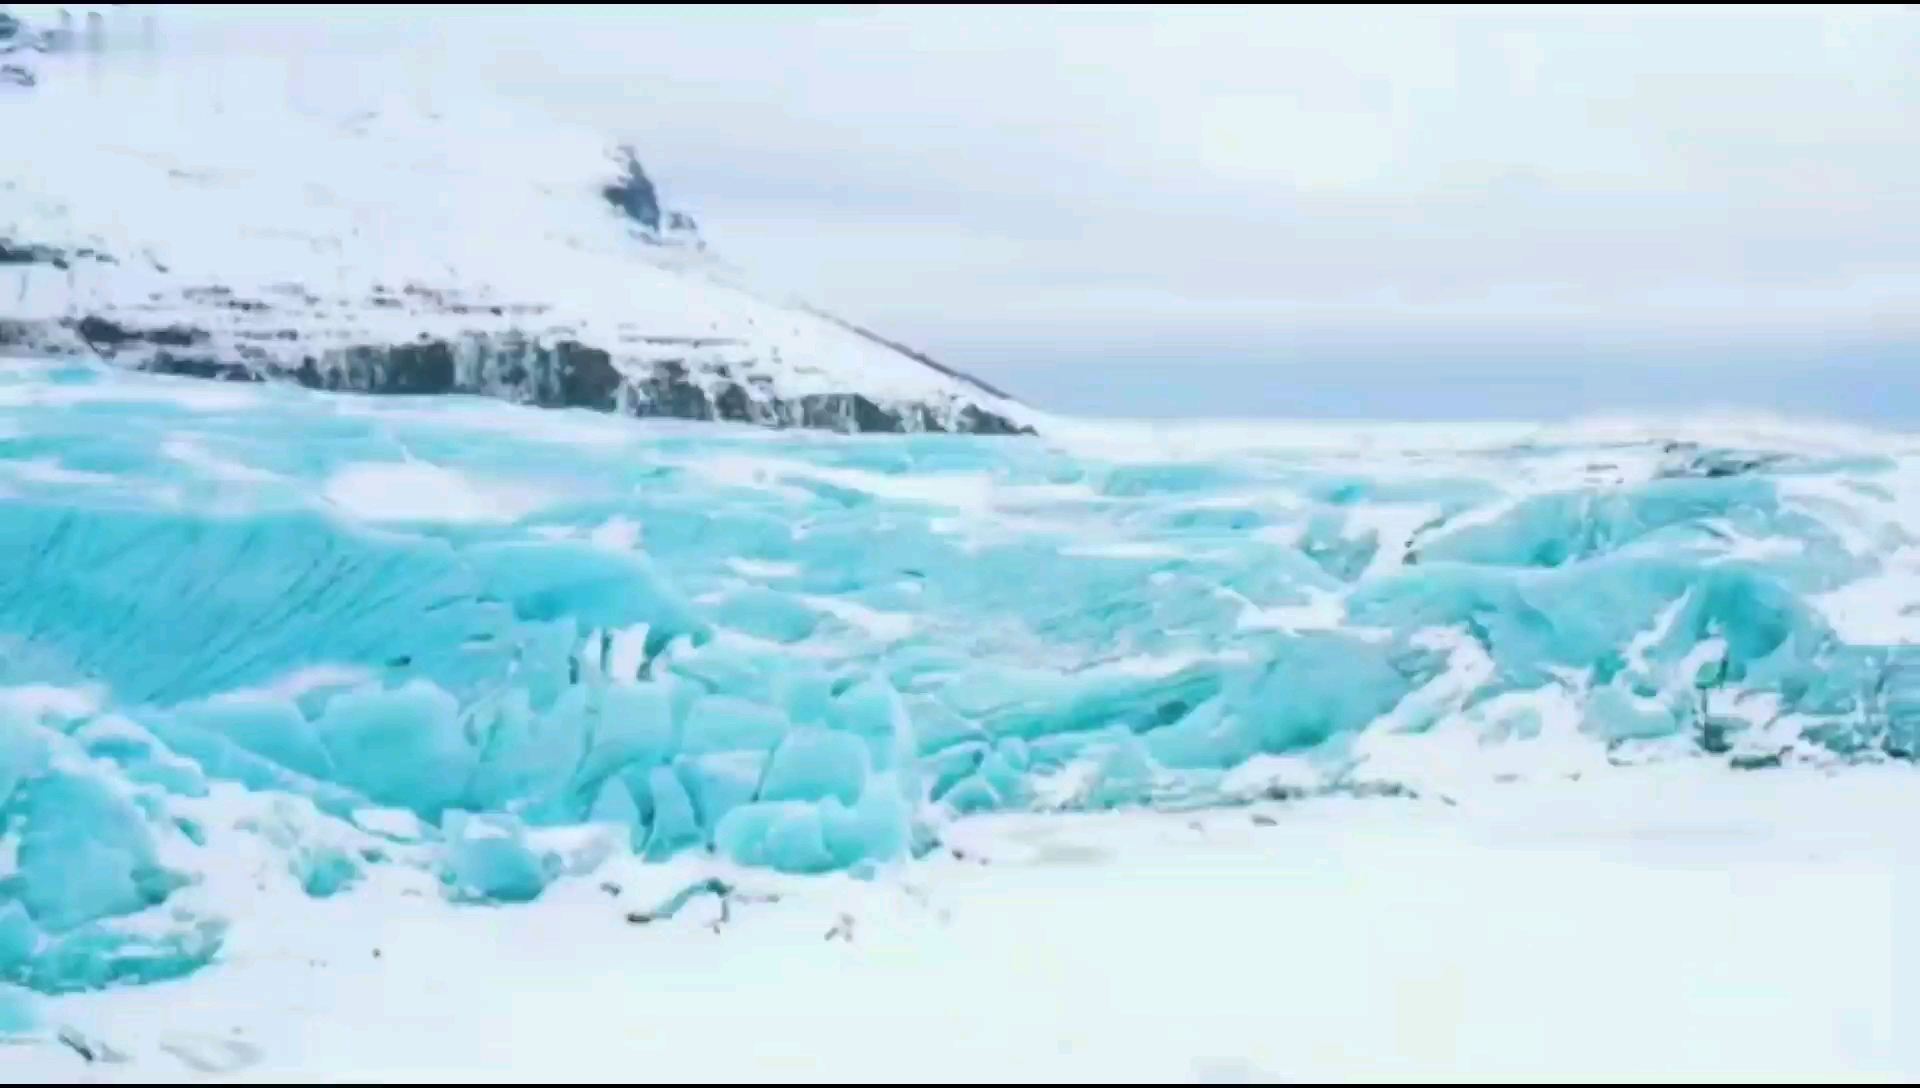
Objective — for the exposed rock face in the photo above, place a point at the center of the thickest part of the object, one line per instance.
(633, 194)
(510, 366)
(664, 377)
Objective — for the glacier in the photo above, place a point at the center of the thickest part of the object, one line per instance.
(501, 645)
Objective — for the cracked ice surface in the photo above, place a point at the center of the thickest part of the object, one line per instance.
(502, 647)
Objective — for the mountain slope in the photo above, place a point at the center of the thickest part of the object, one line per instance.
(242, 215)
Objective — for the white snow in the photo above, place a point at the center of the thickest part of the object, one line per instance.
(1123, 549)
(882, 626)
(395, 823)
(189, 450)
(306, 183)
(312, 678)
(41, 470)
(616, 535)
(1672, 922)
(1323, 610)
(762, 570)
(33, 701)
(1881, 607)
(417, 491)
(627, 651)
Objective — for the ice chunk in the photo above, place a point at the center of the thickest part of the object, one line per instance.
(948, 767)
(1327, 541)
(19, 939)
(1209, 735)
(402, 747)
(724, 723)
(19, 1011)
(675, 826)
(780, 617)
(1900, 692)
(98, 955)
(488, 859)
(220, 758)
(140, 755)
(874, 711)
(787, 836)
(529, 759)
(1030, 704)
(972, 794)
(1054, 752)
(586, 585)
(719, 782)
(878, 828)
(1007, 781)
(325, 870)
(635, 727)
(1551, 530)
(273, 729)
(614, 805)
(806, 695)
(1124, 774)
(813, 763)
(720, 666)
(25, 750)
(1015, 752)
(802, 837)
(1167, 478)
(85, 853)
(1619, 715)
(936, 727)
(1319, 686)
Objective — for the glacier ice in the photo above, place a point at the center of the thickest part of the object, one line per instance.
(808, 652)
(812, 764)
(490, 859)
(18, 1011)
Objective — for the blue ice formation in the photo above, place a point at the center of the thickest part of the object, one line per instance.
(19, 1012)
(247, 611)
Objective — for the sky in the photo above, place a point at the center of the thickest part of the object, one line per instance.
(1503, 212)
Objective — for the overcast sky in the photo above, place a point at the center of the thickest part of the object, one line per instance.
(1335, 196)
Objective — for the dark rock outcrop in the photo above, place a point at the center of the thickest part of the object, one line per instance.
(633, 195)
(1687, 460)
(12, 252)
(588, 378)
(201, 367)
(633, 192)
(106, 337)
(975, 421)
(520, 369)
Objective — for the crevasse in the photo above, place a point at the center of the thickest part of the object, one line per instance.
(442, 633)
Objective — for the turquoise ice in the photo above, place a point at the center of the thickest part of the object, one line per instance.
(808, 652)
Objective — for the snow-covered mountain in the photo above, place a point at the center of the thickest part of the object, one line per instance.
(243, 215)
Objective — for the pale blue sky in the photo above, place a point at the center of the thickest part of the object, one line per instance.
(1381, 204)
